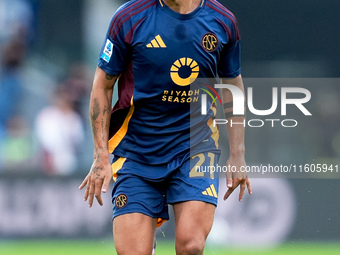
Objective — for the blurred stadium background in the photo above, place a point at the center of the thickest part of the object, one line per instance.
(48, 54)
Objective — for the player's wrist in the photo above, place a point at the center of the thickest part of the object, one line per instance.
(100, 152)
(237, 154)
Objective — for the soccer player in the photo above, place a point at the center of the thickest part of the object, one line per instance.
(158, 50)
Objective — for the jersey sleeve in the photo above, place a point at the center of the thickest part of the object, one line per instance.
(230, 61)
(114, 55)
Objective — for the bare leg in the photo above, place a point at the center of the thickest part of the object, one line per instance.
(193, 220)
(134, 233)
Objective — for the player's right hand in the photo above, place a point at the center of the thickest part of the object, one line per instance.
(98, 179)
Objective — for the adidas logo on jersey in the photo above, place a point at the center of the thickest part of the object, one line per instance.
(210, 191)
(156, 43)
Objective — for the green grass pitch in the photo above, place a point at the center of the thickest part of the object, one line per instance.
(90, 247)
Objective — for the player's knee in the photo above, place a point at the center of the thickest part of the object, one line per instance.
(191, 246)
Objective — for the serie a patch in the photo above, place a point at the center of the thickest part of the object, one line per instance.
(107, 52)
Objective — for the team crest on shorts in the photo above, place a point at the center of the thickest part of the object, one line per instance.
(121, 200)
(209, 42)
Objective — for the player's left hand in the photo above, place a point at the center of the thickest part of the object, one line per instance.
(236, 177)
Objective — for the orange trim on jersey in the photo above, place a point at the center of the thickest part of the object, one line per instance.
(215, 133)
(160, 222)
(118, 137)
(116, 166)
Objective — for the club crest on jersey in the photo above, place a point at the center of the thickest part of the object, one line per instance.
(209, 42)
(107, 52)
(121, 201)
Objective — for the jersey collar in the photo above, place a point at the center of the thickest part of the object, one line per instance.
(182, 16)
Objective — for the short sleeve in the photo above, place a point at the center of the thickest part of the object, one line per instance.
(230, 60)
(113, 56)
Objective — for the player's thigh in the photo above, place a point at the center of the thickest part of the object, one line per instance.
(137, 205)
(133, 233)
(193, 221)
(193, 193)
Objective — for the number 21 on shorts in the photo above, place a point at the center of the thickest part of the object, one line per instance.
(205, 164)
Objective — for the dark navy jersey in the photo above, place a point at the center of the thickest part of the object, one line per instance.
(159, 55)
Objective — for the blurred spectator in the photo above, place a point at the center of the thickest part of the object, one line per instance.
(11, 87)
(16, 147)
(15, 31)
(10, 79)
(60, 132)
(79, 86)
(16, 18)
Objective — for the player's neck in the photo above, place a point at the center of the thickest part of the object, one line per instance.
(182, 6)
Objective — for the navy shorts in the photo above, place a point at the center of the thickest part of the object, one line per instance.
(148, 189)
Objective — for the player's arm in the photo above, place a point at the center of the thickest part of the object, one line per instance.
(100, 174)
(236, 141)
